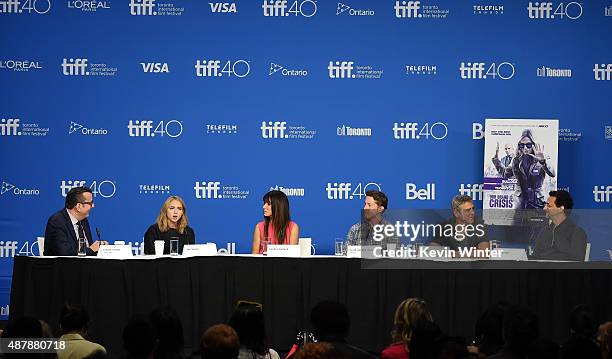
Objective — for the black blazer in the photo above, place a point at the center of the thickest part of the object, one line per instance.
(60, 239)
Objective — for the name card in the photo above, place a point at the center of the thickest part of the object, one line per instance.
(199, 250)
(510, 254)
(361, 251)
(283, 250)
(115, 251)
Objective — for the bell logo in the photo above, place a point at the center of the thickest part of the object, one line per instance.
(407, 9)
(154, 67)
(274, 129)
(472, 190)
(75, 67)
(204, 190)
(142, 7)
(341, 70)
(222, 7)
(604, 73)
(9, 127)
(338, 191)
(425, 194)
(602, 193)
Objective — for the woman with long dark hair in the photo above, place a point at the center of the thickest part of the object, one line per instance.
(277, 227)
(248, 322)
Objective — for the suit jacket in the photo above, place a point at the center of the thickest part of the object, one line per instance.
(60, 238)
(77, 347)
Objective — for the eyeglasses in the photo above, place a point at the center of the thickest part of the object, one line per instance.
(246, 303)
(523, 145)
(89, 203)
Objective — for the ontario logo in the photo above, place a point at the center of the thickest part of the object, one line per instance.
(348, 10)
(77, 128)
(285, 72)
(9, 188)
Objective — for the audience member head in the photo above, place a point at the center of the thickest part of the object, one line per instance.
(276, 211)
(23, 327)
(74, 319)
(604, 338)
(408, 313)
(488, 329)
(520, 329)
(219, 342)
(321, 350)
(139, 338)
(168, 330)
(582, 322)
(330, 321)
(451, 348)
(248, 321)
(543, 349)
(423, 339)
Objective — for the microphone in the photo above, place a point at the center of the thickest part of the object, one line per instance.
(98, 233)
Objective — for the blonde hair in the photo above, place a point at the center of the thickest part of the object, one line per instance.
(407, 315)
(162, 218)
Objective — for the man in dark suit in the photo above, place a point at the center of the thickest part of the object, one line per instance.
(68, 224)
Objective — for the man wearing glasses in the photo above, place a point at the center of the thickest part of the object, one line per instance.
(463, 221)
(66, 226)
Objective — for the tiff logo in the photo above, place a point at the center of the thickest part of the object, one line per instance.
(275, 8)
(472, 70)
(274, 129)
(8, 248)
(338, 190)
(10, 6)
(140, 128)
(424, 194)
(204, 190)
(208, 68)
(405, 131)
(74, 67)
(9, 127)
(602, 193)
(142, 7)
(65, 187)
(407, 9)
(341, 69)
(541, 10)
(472, 190)
(604, 73)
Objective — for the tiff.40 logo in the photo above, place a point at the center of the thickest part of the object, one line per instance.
(344, 191)
(145, 128)
(105, 188)
(480, 70)
(18, 7)
(281, 8)
(544, 10)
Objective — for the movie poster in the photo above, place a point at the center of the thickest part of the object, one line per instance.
(520, 167)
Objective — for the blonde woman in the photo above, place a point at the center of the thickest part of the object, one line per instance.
(171, 222)
(407, 315)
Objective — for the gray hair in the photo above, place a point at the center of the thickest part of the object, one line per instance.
(460, 199)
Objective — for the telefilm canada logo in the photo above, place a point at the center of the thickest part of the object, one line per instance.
(12, 126)
(421, 70)
(488, 9)
(220, 129)
(153, 189)
(214, 190)
(79, 129)
(40, 7)
(11, 189)
(343, 69)
(20, 65)
(89, 5)
(75, 67)
(283, 131)
(154, 8)
(280, 70)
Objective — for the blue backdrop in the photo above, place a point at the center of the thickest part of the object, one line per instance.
(220, 102)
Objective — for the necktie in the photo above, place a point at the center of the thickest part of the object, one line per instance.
(80, 229)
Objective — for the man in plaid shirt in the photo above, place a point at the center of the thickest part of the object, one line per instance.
(361, 234)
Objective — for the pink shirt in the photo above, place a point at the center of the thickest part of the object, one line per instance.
(272, 234)
(395, 351)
